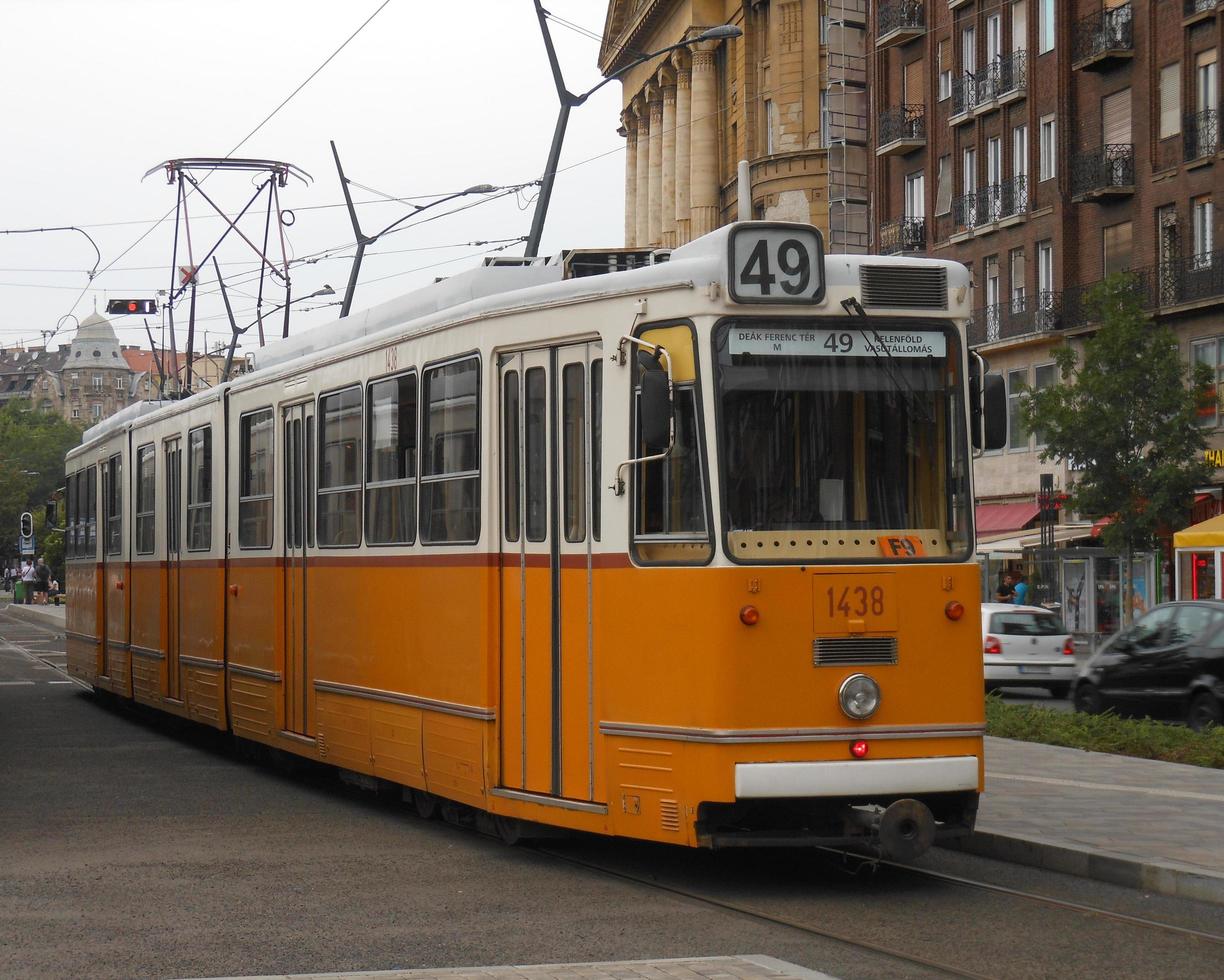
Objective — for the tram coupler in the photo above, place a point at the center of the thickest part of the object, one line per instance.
(902, 831)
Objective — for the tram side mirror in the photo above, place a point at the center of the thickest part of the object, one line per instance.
(987, 406)
(654, 405)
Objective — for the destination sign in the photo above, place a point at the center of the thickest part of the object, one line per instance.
(779, 342)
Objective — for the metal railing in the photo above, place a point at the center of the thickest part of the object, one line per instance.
(903, 235)
(1201, 133)
(1192, 7)
(964, 94)
(1104, 168)
(1111, 29)
(900, 15)
(1021, 316)
(903, 122)
(994, 202)
(1003, 76)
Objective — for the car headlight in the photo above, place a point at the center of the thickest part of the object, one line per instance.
(859, 696)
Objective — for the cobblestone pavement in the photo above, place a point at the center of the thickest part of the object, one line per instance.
(697, 968)
(1136, 808)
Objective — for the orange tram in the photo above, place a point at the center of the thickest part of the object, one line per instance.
(681, 552)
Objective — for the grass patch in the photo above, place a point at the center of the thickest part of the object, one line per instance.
(1140, 738)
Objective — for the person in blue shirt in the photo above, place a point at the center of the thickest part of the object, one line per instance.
(1021, 590)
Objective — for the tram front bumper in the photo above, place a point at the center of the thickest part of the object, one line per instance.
(858, 778)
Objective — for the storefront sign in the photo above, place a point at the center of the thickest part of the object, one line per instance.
(1214, 456)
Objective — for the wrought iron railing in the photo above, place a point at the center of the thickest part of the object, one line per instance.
(903, 122)
(900, 15)
(994, 202)
(903, 235)
(1021, 316)
(1192, 7)
(964, 94)
(1201, 133)
(965, 210)
(1103, 168)
(1111, 29)
(1004, 75)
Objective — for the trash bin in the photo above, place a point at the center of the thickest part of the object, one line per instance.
(18, 592)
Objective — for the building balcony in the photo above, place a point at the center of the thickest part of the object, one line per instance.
(964, 99)
(903, 235)
(1103, 173)
(992, 207)
(953, 4)
(902, 130)
(1004, 80)
(899, 21)
(1102, 40)
(1022, 316)
(1201, 133)
(1166, 288)
(1195, 10)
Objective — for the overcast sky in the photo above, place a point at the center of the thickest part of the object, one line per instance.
(429, 98)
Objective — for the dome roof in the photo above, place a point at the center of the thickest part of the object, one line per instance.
(95, 344)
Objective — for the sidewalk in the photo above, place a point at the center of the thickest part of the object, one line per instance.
(44, 615)
(1157, 826)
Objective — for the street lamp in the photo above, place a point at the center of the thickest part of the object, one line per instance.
(363, 240)
(569, 101)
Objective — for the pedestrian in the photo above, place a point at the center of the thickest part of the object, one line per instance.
(1005, 592)
(1021, 590)
(8, 579)
(42, 581)
(27, 581)
(55, 591)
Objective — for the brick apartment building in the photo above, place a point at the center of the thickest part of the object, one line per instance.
(1045, 145)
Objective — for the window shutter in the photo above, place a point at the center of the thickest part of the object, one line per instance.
(1170, 100)
(945, 56)
(913, 83)
(1116, 117)
(943, 193)
(1019, 26)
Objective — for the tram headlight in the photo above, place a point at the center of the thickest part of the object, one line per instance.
(859, 696)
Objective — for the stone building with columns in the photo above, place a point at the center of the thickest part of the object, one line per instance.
(788, 96)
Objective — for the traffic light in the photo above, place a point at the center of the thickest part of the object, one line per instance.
(125, 306)
(27, 524)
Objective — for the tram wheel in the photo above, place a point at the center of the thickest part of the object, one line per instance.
(508, 829)
(425, 804)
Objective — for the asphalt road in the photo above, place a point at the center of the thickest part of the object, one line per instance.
(136, 848)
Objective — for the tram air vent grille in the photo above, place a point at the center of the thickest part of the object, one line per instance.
(904, 287)
(669, 815)
(843, 651)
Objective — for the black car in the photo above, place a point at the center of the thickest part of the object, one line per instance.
(1170, 663)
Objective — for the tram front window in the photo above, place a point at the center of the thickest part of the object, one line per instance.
(842, 442)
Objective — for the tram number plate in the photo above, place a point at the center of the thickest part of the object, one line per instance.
(853, 603)
(776, 263)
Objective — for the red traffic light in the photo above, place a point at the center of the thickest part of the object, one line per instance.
(121, 307)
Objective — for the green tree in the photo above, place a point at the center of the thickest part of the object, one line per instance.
(32, 448)
(1127, 417)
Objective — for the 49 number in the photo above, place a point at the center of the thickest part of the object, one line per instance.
(791, 260)
(855, 600)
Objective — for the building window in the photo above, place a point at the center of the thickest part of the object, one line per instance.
(994, 161)
(769, 126)
(1017, 435)
(339, 502)
(97, 410)
(97, 382)
(1045, 376)
(391, 463)
(199, 489)
(118, 384)
(1016, 272)
(943, 191)
(1020, 151)
(1170, 100)
(1116, 242)
(1208, 352)
(943, 57)
(255, 432)
(1205, 81)
(992, 280)
(146, 492)
(45, 384)
(968, 51)
(1045, 26)
(1045, 272)
(76, 413)
(450, 461)
(1204, 235)
(915, 195)
(1048, 151)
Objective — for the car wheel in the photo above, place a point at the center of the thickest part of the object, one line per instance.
(1204, 712)
(1060, 691)
(1088, 699)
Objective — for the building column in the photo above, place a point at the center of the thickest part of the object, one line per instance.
(629, 131)
(642, 197)
(683, 135)
(654, 179)
(703, 162)
(667, 195)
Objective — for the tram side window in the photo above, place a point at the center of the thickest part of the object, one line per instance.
(339, 506)
(114, 505)
(391, 464)
(146, 488)
(536, 392)
(596, 444)
(70, 516)
(255, 432)
(573, 422)
(91, 512)
(199, 489)
(510, 453)
(450, 464)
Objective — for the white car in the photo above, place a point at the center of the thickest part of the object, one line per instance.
(1026, 646)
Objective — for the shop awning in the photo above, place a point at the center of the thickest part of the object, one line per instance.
(1004, 517)
(1014, 544)
(1208, 534)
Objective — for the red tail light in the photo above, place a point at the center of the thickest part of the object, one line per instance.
(993, 645)
(1069, 648)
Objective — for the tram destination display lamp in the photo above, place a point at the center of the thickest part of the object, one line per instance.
(569, 101)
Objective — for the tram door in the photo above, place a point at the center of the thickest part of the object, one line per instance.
(299, 533)
(174, 538)
(546, 487)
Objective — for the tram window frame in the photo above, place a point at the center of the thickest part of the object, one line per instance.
(575, 464)
(512, 484)
(536, 452)
(596, 468)
(636, 538)
(114, 505)
(246, 473)
(429, 481)
(70, 516)
(395, 487)
(146, 486)
(326, 493)
(91, 511)
(199, 511)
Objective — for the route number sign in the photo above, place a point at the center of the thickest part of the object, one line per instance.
(776, 263)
